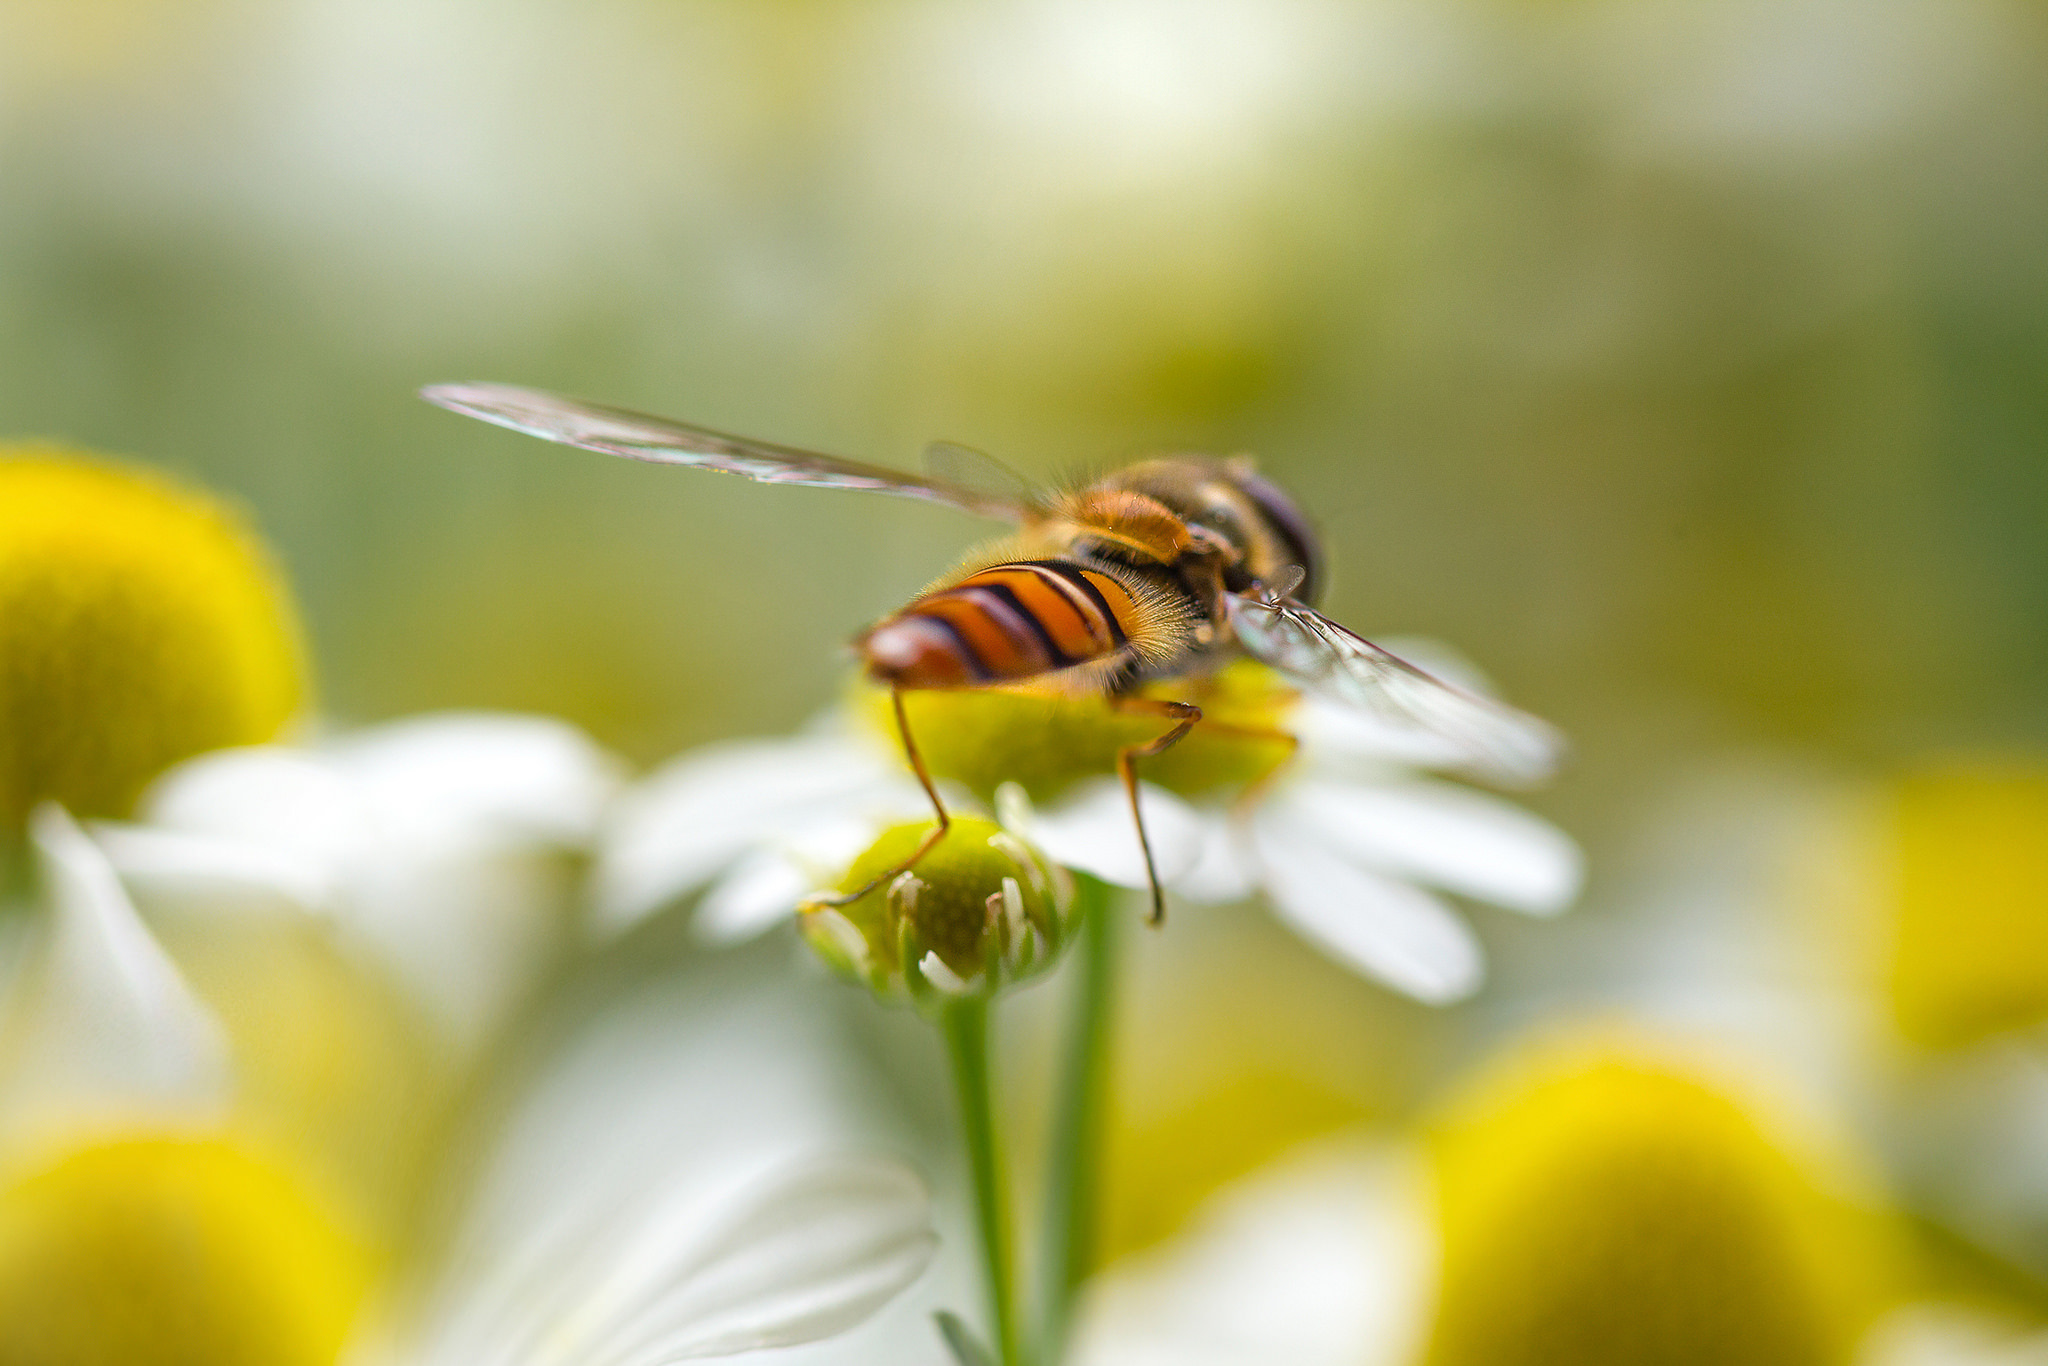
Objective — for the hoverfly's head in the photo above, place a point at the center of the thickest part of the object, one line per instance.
(1294, 538)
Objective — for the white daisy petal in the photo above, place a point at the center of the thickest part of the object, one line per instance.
(697, 814)
(1224, 872)
(1320, 1262)
(437, 841)
(467, 930)
(290, 803)
(758, 893)
(1345, 737)
(809, 1256)
(661, 1190)
(1091, 831)
(1386, 929)
(1450, 837)
(471, 776)
(675, 1276)
(936, 974)
(161, 862)
(103, 1024)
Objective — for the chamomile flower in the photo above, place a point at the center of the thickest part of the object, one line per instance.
(1594, 1202)
(633, 1206)
(144, 628)
(1343, 834)
(1878, 937)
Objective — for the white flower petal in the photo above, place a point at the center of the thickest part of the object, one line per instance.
(103, 1024)
(1388, 930)
(936, 974)
(660, 1185)
(1091, 830)
(1448, 836)
(467, 931)
(693, 817)
(477, 776)
(1226, 871)
(207, 869)
(758, 893)
(1350, 739)
(291, 803)
(670, 1275)
(811, 1256)
(1322, 1262)
(436, 841)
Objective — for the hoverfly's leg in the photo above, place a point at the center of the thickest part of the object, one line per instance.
(932, 837)
(1184, 714)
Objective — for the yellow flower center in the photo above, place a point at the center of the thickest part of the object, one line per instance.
(164, 1252)
(1970, 947)
(140, 623)
(1613, 1213)
(1046, 740)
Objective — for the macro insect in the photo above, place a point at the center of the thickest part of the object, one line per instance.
(1162, 570)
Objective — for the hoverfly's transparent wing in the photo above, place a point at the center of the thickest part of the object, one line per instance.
(636, 436)
(964, 467)
(1476, 734)
(1283, 584)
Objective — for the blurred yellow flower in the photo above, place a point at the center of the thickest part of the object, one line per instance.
(140, 623)
(1969, 954)
(1596, 1206)
(164, 1251)
(1594, 1201)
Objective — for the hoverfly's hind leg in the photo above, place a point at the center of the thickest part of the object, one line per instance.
(932, 837)
(1184, 715)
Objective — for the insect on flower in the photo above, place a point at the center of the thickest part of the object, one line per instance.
(1161, 571)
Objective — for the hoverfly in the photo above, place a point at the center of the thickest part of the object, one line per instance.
(1163, 569)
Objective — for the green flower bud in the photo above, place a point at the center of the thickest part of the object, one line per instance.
(980, 909)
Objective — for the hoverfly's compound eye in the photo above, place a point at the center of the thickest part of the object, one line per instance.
(1286, 518)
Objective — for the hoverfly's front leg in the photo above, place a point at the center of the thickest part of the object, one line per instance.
(937, 832)
(1185, 715)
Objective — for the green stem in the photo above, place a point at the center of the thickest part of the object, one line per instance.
(965, 1025)
(1074, 1180)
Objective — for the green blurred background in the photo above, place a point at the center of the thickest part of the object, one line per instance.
(1687, 364)
(1684, 363)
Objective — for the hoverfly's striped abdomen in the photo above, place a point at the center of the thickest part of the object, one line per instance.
(1005, 624)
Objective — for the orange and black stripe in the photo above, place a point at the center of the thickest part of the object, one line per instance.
(1005, 623)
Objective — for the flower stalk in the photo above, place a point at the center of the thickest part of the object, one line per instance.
(965, 1025)
(1081, 1119)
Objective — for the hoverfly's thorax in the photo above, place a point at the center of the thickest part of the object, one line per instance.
(1231, 502)
(1122, 524)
